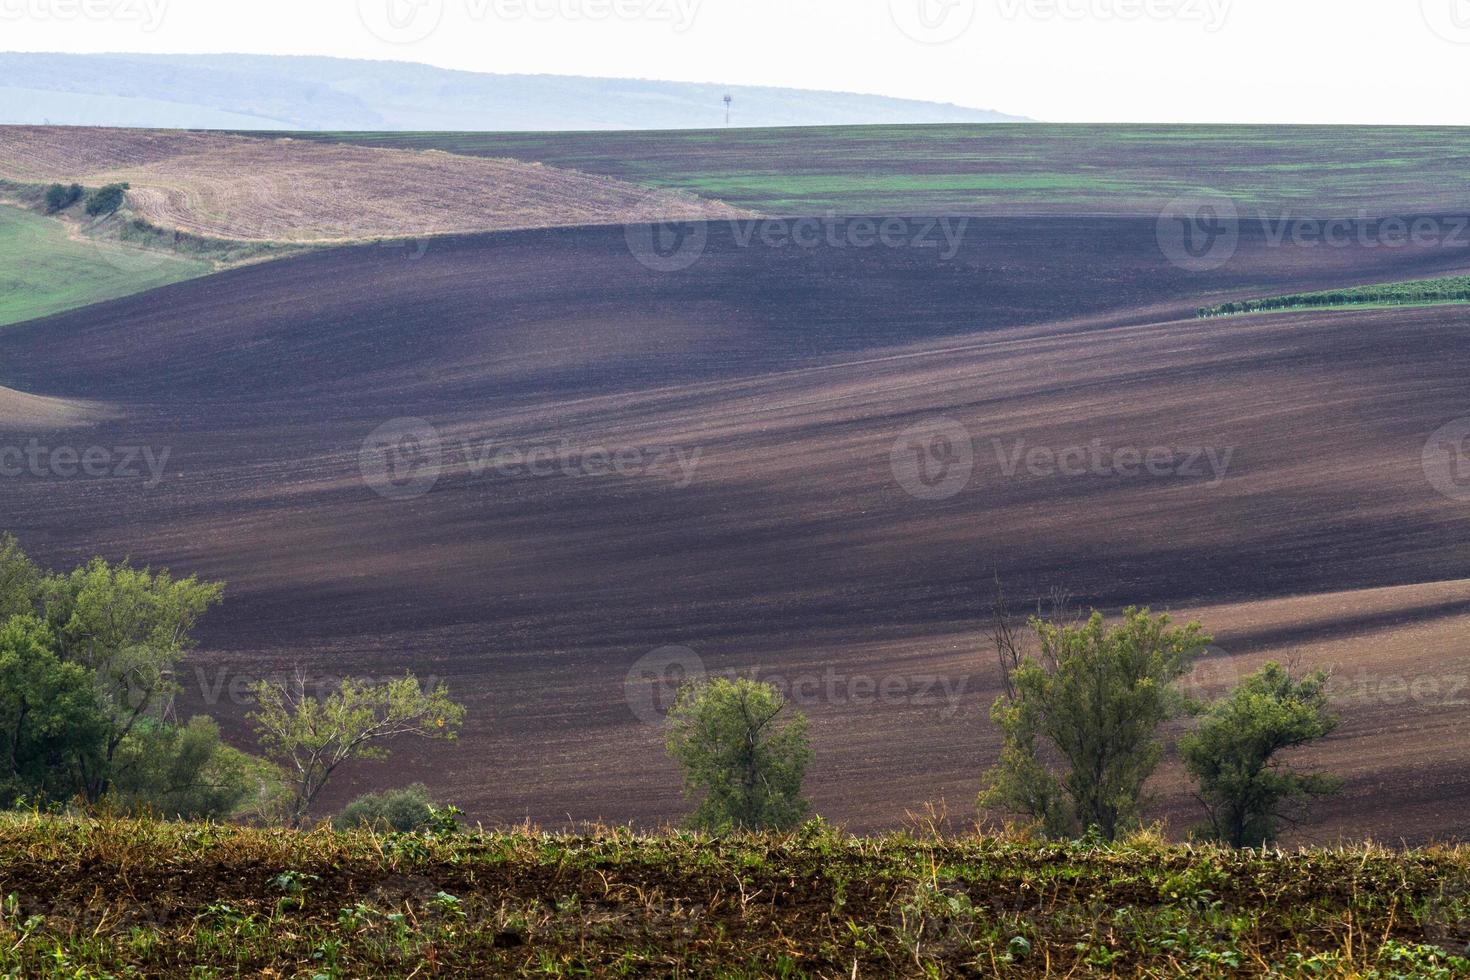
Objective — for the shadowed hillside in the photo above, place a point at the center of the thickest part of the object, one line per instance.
(523, 462)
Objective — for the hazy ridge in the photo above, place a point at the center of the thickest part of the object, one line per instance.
(226, 91)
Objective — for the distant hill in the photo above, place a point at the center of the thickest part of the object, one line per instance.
(270, 92)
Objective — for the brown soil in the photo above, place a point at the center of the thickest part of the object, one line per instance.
(794, 550)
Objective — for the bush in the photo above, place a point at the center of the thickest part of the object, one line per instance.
(736, 751)
(59, 197)
(189, 773)
(106, 200)
(1235, 755)
(1082, 721)
(313, 737)
(406, 809)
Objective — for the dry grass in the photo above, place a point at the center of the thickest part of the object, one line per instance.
(283, 190)
(114, 897)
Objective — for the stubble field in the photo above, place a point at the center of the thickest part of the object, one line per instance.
(282, 190)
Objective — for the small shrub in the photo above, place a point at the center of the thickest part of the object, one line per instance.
(59, 197)
(106, 200)
(1235, 755)
(404, 810)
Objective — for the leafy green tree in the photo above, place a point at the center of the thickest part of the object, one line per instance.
(405, 810)
(313, 737)
(1235, 755)
(106, 200)
(737, 751)
(129, 628)
(59, 197)
(51, 727)
(20, 580)
(189, 773)
(1082, 720)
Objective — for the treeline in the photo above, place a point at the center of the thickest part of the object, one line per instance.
(88, 664)
(100, 203)
(1454, 289)
(1082, 718)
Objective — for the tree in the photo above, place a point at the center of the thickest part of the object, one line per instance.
(118, 632)
(189, 773)
(20, 580)
(51, 727)
(129, 628)
(313, 737)
(735, 750)
(59, 197)
(403, 810)
(106, 200)
(1081, 720)
(1234, 754)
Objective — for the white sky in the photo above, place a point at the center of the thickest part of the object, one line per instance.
(1308, 61)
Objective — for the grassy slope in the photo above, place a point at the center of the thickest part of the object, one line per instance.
(43, 270)
(1005, 168)
(114, 897)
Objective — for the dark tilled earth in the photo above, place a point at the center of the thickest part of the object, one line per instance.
(805, 462)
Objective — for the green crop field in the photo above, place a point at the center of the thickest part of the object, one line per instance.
(43, 270)
(1419, 292)
(113, 897)
(1325, 171)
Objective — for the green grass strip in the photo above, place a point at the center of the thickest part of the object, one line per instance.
(1419, 292)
